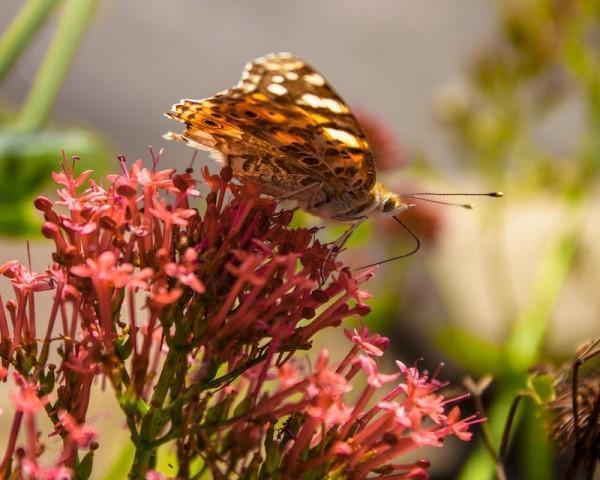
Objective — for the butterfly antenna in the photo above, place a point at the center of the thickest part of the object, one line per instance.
(419, 194)
(468, 206)
(412, 252)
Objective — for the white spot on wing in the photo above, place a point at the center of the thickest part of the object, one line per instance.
(276, 89)
(277, 78)
(342, 136)
(292, 75)
(314, 79)
(329, 103)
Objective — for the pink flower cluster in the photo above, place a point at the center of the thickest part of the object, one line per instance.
(321, 431)
(193, 308)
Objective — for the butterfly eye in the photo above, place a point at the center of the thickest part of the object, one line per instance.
(211, 123)
(389, 205)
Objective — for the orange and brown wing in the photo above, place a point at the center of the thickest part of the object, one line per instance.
(282, 125)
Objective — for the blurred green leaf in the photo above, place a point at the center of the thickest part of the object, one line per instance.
(122, 464)
(469, 351)
(26, 163)
(535, 451)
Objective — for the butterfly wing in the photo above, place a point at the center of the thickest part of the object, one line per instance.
(283, 127)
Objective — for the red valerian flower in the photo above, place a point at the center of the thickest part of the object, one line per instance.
(195, 311)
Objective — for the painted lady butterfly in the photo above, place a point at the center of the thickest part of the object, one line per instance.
(284, 128)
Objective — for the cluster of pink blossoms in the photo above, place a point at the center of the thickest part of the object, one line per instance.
(193, 309)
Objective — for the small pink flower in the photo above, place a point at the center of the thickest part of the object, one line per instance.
(329, 409)
(458, 426)
(288, 375)
(25, 398)
(105, 269)
(162, 296)
(158, 179)
(154, 475)
(373, 344)
(176, 216)
(82, 435)
(81, 228)
(374, 378)
(341, 448)
(36, 472)
(7, 267)
(67, 178)
(26, 280)
(184, 271)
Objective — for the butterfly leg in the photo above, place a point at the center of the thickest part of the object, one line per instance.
(338, 245)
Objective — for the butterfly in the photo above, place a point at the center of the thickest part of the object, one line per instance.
(284, 128)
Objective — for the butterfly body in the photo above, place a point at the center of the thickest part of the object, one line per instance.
(284, 128)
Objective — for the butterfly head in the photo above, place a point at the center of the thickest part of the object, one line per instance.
(388, 203)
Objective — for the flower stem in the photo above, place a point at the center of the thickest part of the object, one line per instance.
(20, 32)
(153, 421)
(75, 18)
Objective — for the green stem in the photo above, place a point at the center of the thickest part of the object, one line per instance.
(20, 32)
(480, 465)
(152, 422)
(75, 18)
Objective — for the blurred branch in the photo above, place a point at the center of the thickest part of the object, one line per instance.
(75, 18)
(22, 29)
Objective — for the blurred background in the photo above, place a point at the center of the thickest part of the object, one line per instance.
(455, 96)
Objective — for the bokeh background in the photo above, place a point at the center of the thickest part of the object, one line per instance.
(456, 96)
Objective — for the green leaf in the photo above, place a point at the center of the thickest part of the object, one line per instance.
(84, 469)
